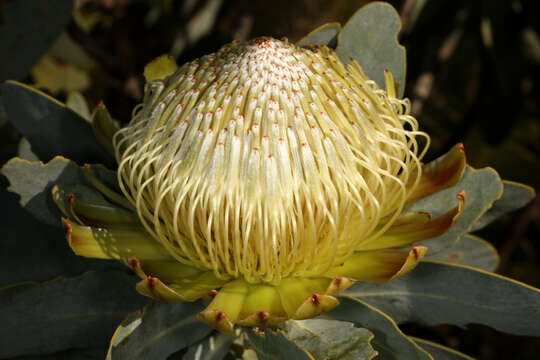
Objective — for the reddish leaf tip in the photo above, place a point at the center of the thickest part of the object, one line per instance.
(68, 231)
(262, 316)
(219, 315)
(66, 224)
(461, 195)
(134, 262)
(67, 227)
(152, 282)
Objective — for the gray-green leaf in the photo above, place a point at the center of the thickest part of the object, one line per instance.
(389, 341)
(160, 330)
(65, 313)
(469, 250)
(370, 38)
(331, 339)
(440, 293)
(323, 35)
(514, 196)
(33, 182)
(50, 127)
(274, 345)
(24, 150)
(77, 103)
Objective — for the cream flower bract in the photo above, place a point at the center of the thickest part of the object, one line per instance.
(268, 177)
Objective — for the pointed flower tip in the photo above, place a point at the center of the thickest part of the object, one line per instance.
(73, 240)
(261, 318)
(134, 262)
(418, 252)
(315, 305)
(135, 266)
(339, 284)
(66, 225)
(217, 319)
(156, 289)
(152, 281)
(461, 196)
(415, 255)
(461, 206)
(99, 110)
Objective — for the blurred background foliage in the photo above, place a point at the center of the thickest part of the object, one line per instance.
(473, 77)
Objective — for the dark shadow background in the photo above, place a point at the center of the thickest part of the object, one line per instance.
(473, 77)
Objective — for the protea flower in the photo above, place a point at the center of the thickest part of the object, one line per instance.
(268, 178)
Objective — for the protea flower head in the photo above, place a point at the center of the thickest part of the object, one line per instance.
(268, 178)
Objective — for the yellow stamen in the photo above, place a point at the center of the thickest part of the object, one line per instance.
(265, 160)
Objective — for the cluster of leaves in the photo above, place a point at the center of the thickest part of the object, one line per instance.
(56, 305)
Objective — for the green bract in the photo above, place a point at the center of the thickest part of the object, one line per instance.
(274, 191)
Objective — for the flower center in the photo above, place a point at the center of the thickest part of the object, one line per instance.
(265, 160)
